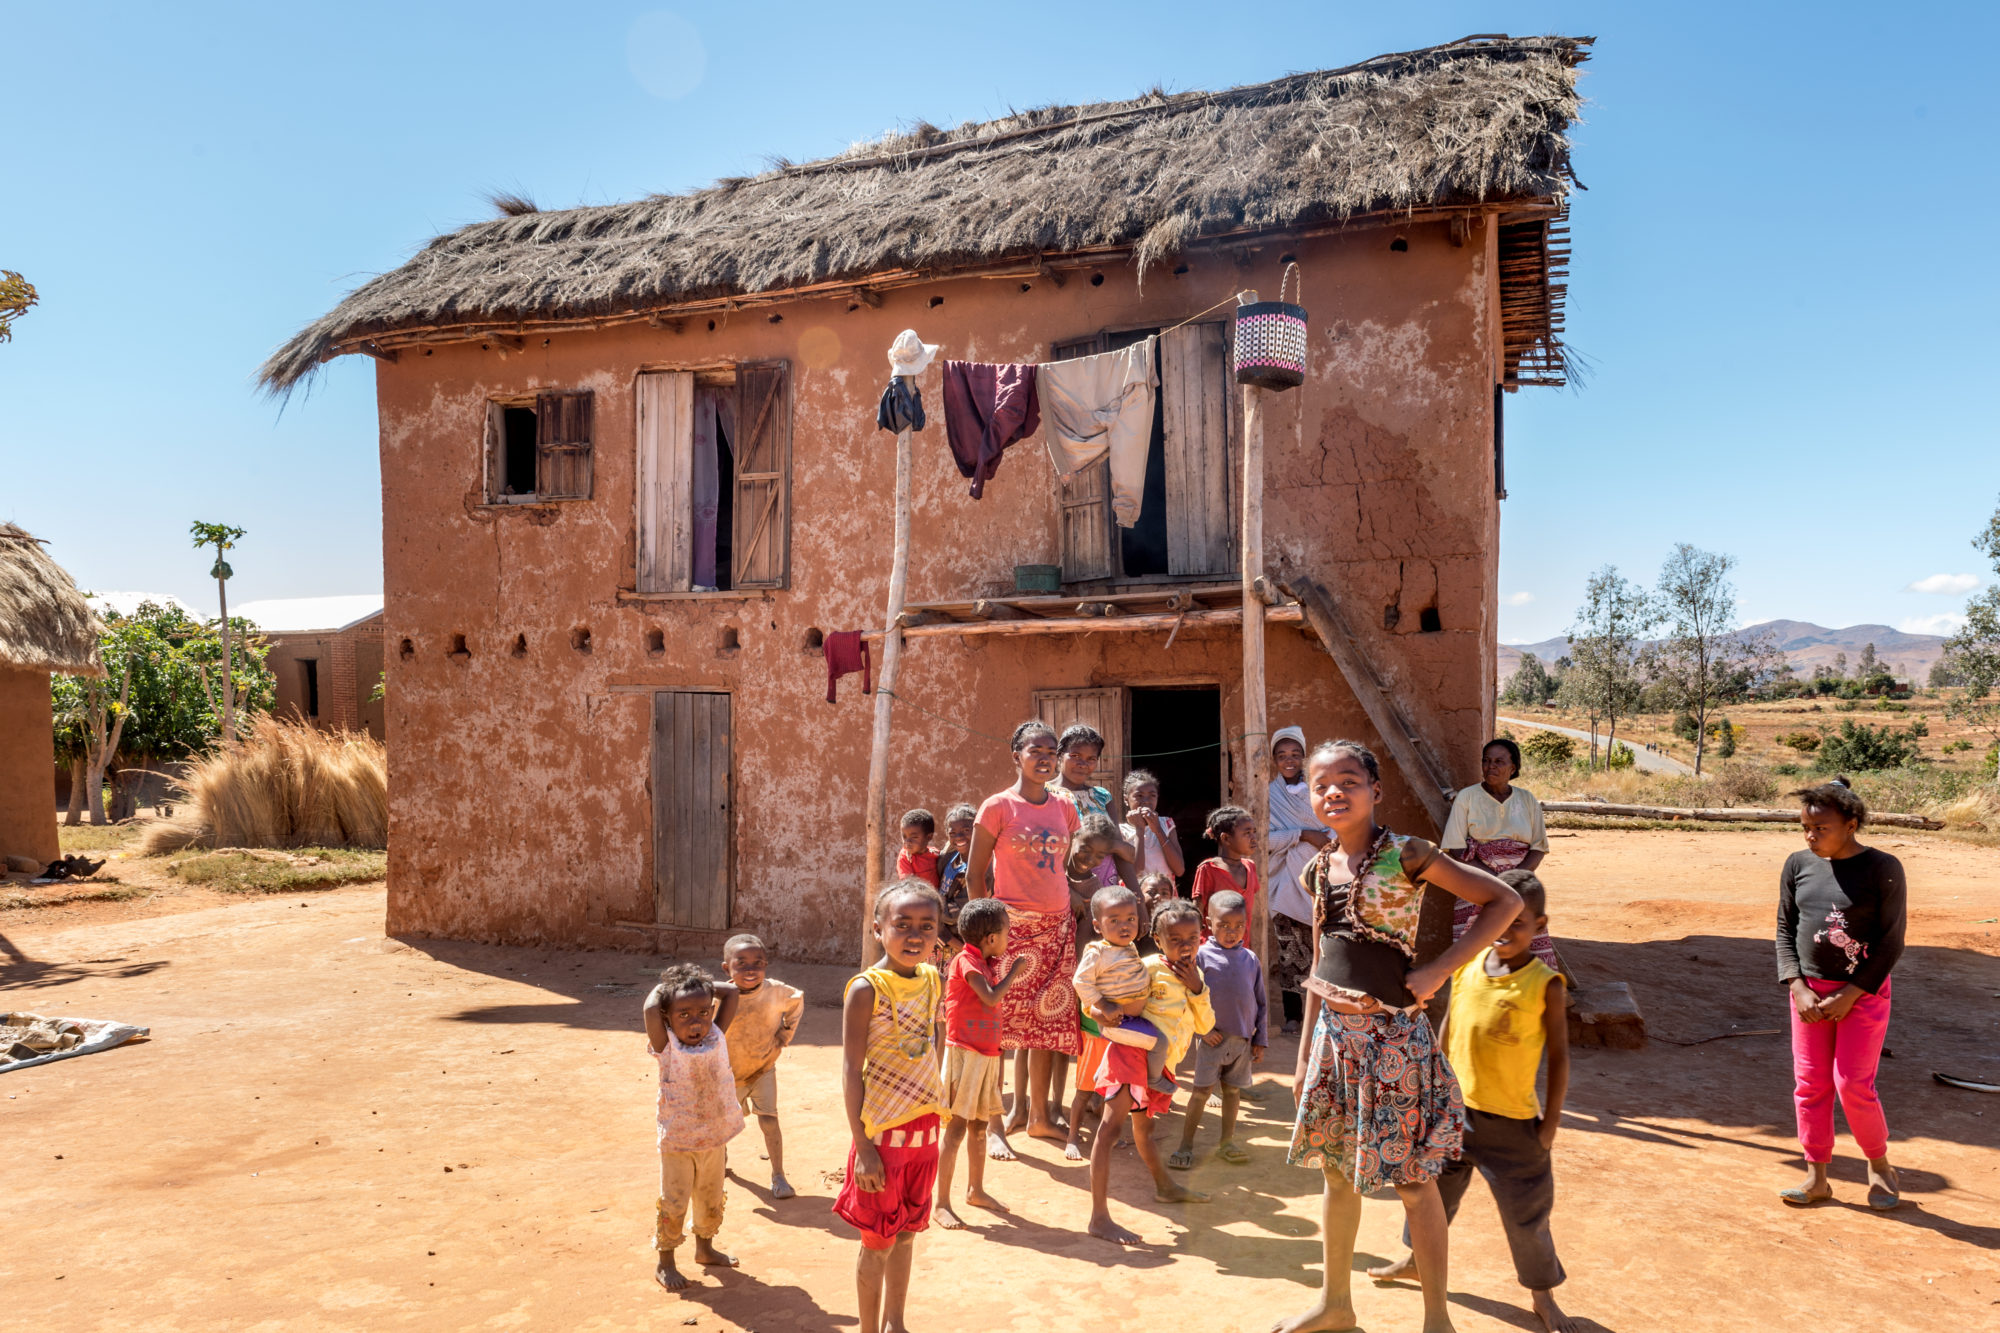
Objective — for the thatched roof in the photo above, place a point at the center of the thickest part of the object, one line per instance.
(1479, 122)
(45, 623)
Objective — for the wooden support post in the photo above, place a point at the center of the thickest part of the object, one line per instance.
(885, 690)
(1256, 727)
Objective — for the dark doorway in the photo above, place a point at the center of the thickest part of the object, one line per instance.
(1177, 736)
(725, 509)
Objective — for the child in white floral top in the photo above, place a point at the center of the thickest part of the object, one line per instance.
(698, 1112)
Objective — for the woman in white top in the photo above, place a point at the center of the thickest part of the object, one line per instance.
(1294, 839)
(1498, 827)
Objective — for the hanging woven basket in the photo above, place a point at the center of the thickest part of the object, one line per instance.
(1271, 339)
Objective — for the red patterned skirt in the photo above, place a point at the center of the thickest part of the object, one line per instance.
(1498, 857)
(1039, 1011)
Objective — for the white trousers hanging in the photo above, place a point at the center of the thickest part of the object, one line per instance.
(1094, 405)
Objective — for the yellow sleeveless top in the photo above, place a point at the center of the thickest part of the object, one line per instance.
(1494, 1036)
(900, 1080)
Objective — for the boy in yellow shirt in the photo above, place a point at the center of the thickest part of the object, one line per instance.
(1507, 1008)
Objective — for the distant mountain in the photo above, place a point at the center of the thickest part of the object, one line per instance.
(1805, 645)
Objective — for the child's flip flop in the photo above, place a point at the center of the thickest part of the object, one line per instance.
(1800, 1197)
(1181, 1159)
(1232, 1153)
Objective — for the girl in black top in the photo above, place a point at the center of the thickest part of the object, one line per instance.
(1840, 932)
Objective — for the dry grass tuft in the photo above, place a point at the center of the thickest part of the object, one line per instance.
(1977, 811)
(285, 785)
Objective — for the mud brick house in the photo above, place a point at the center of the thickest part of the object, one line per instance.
(607, 711)
(327, 676)
(46, 626)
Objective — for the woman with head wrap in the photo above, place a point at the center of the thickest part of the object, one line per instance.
(1295, 837)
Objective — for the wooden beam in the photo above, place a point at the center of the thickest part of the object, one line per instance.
(1151, 620)
(376, 350)
(1741, 814)
(885, 694)
(1256, 604)
(988, 609)
(873, 300)
(507, 342)
(1426, 778)
(917, 619)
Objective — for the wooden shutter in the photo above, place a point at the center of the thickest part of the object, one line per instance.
(1089, 536)
(562, 445)
(665, 499)
(496, 451)
(1201, 485)
(1103, 709)
(693, 816)
(761, 523)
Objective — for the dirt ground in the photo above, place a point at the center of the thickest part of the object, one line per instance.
(331, 1129)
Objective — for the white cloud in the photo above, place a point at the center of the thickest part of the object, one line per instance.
(125, 603)
(1944, 622)
(1518, 598)
(1950, 585)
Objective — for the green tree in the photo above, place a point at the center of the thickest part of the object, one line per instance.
(1702, 657)
(1974, 652)
(1530, 683)
(221, 536)
(1858, 747)
(1604, 648)
(16, 295)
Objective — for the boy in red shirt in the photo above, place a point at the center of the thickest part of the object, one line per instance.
(917, 860)
(972, 1049)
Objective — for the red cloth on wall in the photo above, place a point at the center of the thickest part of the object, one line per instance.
(846, 652)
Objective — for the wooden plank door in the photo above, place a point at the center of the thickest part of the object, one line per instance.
(762, 524)
(1089, 533)
(1102, 708)
(693, 810)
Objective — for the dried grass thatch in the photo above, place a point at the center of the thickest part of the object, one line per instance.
(45, 623)
(285, 785)
(1480, 121)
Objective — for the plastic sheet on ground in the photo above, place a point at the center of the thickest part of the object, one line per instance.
(27, 1040)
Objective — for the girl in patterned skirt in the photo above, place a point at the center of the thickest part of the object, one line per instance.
(1378, 1105)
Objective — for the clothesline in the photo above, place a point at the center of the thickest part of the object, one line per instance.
(1004, 740)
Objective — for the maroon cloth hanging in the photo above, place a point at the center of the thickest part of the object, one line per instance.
(847, 652)
(987, 406)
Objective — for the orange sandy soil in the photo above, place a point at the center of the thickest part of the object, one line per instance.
(329, 1129)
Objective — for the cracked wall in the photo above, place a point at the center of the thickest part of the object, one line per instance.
(520, 802)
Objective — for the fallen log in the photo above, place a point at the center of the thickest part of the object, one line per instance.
(1741, 814)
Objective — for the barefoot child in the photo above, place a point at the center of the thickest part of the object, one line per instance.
(1113, 986)
(916, 860)
(1506, 1007)
(1178, 1006)
(1234, 866)
(972, 994)
(1227, 1052)
(698, 1113)
(767, 1018)
(891, 1028)
(1377, 1104)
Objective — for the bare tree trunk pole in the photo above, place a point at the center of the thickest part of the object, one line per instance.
(885, 690)
(228, 684)
(1256, 727)
(78, 768)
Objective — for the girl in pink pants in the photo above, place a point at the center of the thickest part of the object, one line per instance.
(1840, 931)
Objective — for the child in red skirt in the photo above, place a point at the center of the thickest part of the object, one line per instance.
(891, 1031)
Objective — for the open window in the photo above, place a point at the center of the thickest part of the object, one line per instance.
(538, 448)
(309, 685)
(1188, 521)
(715, 450)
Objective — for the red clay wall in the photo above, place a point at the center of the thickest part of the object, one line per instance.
(27, 755)
(350, 664)
(520, 808)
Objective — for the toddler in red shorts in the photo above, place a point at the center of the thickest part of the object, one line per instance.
(891, 1031)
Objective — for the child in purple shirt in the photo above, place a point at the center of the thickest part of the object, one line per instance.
(1227, 1054)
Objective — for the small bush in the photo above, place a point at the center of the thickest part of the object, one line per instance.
(1805, 742)
(1862, 748)
(1888, 705)
(1787, 770)
(1846, 706)
(1620, 756)
(1549, 747)
(1742, 784)
(1686, 727)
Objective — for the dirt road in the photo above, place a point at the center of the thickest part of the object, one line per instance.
(1647, 761)
(330, 1130)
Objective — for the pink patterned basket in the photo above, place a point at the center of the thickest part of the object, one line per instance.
(1271, 340)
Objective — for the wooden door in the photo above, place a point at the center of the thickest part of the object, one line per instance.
(1089, 535)
(762, 522)
(693, 810)
(1102, 708)
(1201, 466)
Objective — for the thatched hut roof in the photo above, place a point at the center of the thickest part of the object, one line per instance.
(45, 623)
(1477, 123)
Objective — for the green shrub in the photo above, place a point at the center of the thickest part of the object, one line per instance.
(1686, 727)
(1787, 770)
(1620, 756)
(1846, 706)
(1888, 705)
(1858, 747)
(1805, 742)
(1549, 747)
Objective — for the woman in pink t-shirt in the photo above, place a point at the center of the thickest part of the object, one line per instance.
(1023, 836)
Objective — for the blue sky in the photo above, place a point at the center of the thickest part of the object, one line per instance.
(1781, 270)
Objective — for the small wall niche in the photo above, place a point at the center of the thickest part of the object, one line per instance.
(815, 641)
(656, 642)
(579, 638)
(520, 648)
(458, 648)
(1428, 621)
(406, 650)
(729, 640)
